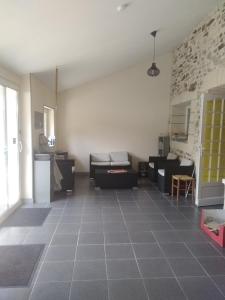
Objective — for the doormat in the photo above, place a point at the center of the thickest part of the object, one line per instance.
(27, 217)
(18, 264)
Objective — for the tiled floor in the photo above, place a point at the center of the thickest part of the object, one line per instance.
(120, 245)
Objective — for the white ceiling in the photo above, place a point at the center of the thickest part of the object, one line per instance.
(88, 39)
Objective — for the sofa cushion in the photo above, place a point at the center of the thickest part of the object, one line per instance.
(98, 157)
(120, 163)
(119, 156)
(171, 156)
(184, 162)
(100, 163)
(161, 172)
(151, 165)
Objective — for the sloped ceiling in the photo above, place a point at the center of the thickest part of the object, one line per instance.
(88, 39)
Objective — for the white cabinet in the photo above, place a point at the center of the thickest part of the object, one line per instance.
(43, 178)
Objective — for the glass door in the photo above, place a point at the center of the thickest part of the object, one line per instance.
(9, 155)
(211, 168)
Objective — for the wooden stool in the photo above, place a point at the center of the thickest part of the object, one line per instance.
(188, 181)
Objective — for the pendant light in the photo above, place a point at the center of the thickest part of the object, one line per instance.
(153, 70)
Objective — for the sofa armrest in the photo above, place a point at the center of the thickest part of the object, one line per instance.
(130, 159)
(166, 164)
(156, 158)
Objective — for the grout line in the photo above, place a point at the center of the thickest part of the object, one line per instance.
(74, 264)
(139, 270)
(207, 274)
(43, 258)
(168, 262)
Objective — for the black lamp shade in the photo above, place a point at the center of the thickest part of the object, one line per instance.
(153, 70)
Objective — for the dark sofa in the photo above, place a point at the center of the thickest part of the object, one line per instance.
(112, 160)
(166, 169)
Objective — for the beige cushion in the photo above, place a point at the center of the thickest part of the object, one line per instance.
(120, 163)
(161, 172)
(119, 156)
(100, 157)
(100, 163)
(171, 156)
(186, 162)
(151, 165)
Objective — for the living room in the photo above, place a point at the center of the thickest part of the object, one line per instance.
(80, 79)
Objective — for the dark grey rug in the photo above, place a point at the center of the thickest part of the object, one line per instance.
(27, 217)
(18, 263)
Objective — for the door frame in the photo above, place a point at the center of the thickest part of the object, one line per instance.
(199, 200)
(8, 84)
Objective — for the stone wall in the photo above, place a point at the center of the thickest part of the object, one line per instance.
(199, 55)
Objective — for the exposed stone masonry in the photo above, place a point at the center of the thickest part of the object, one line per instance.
(199, 54)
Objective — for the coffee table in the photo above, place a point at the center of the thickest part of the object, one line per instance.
(106, 180)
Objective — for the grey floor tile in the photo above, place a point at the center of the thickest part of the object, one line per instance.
(213, 265)
(142, 237)
(60, 253)
(203, 249)
(116, 237)
(200, 288)
(64, 239)
(186, 267)
(147, 250)
(89, 290)
(56, 212)
(51, 291)
(220, 282)
(14, 293)
(119, 252)
(174, 216)
(56, 271)
(52, 219)
(114, 227)
(159, 226)
(90, 270)
(144, 217)
(164, 289)
(127, 290)
(191, 236)
(70, 219)
(112, 218)
(86, 218)
(167, 236)
(122, 269)
(91, 238)
(92, 227)
(90, 252)
(64, 228)
(155, 268)
(175, 250)
(182, 225)
(138, 226)
(110, 210)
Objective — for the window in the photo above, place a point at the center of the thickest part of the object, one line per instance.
(49, 125)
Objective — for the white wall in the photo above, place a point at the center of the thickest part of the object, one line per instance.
(40, 95)
(124, 111)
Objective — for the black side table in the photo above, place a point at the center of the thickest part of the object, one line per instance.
(143, 168)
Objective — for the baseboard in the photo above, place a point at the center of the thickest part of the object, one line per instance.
(27, 200)
(6, 214)
(210, 201)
